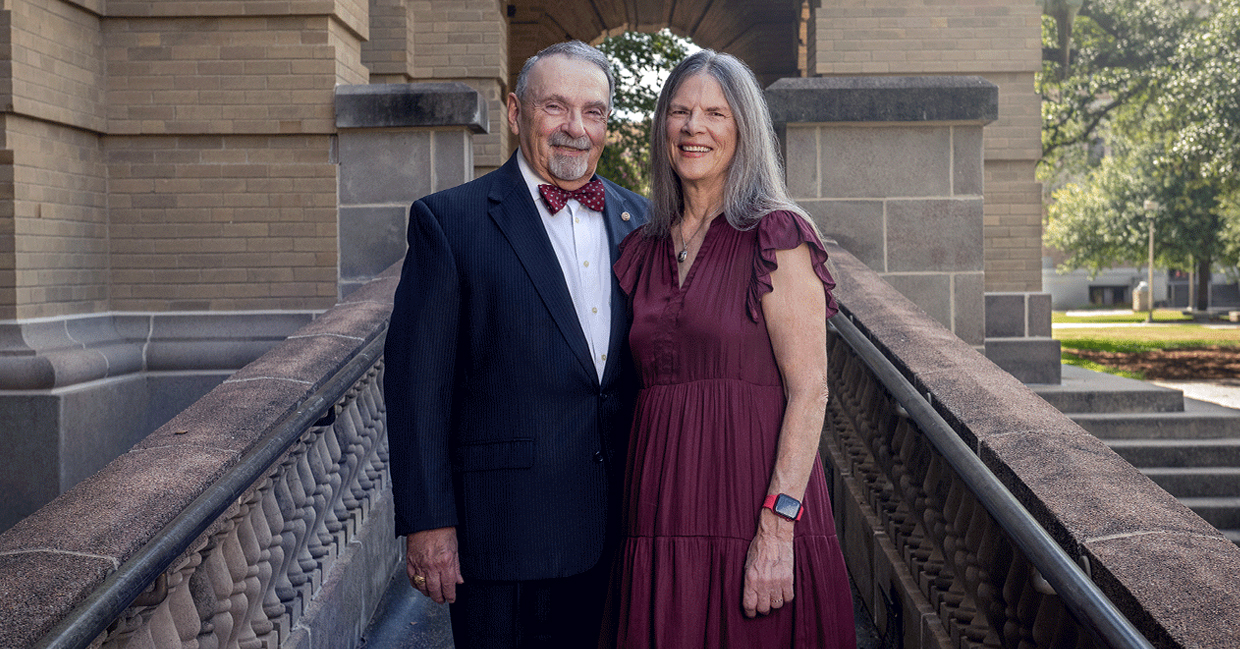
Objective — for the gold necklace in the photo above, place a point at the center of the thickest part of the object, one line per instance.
(684, 248)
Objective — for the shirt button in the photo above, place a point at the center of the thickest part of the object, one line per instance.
(576, 220)
(594, 310)
(604, 357)
(587, 264)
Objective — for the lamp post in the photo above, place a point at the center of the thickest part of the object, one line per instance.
(1150, 208)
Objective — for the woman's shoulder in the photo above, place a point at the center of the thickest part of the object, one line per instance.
(784, 230)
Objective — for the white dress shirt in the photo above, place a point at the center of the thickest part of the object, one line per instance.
(579, 238)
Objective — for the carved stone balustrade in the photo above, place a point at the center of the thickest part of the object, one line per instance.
(298, 558)
(931, 562)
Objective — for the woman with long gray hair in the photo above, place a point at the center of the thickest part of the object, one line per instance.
(729, 538)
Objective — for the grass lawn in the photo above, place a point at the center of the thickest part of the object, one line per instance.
(1141, 339)
(1170, 330)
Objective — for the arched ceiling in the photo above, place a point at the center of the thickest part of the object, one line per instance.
(763, 33)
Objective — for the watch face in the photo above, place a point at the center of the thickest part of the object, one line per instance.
(787, 506)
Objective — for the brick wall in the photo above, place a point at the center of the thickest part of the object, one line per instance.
(996, 39)
(467, 41)
(222, 222)
(60, 224)
(53, 222)
(223, 192)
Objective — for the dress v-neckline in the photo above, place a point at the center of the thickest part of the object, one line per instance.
(681, 286)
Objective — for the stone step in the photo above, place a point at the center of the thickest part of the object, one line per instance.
(1086, 391)
(1171, 453)
(1222, 513)
(1199, 420)
(1197, 482)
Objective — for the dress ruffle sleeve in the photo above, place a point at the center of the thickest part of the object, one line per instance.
(633, 251)
(784, 231)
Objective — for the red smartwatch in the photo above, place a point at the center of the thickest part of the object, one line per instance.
(784, 505)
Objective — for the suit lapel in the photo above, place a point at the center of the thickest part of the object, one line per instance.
(513, 211)
(617, 228)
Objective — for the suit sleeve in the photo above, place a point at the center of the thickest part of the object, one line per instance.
(419, 373)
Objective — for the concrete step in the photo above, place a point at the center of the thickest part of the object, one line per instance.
(1222, 513)
(1197, 482)
(1086, 391)
(1198, 420)
(1171, 453)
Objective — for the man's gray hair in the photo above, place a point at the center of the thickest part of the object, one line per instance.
(574, 50)
(755, 183)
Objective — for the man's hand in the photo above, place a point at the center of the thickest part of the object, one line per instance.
(432, 564)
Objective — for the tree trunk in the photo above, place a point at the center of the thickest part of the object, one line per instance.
(1203, 285)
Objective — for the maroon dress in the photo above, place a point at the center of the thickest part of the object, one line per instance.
(703, 449)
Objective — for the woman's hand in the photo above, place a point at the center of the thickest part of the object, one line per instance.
(768, 566)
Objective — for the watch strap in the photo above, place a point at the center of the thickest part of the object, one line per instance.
(773, 503)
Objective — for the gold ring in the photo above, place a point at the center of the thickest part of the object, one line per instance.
(419, 581)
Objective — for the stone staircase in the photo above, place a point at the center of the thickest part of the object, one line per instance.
(1190, 448)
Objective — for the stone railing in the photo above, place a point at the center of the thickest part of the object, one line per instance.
(934, 564)
(258, 517)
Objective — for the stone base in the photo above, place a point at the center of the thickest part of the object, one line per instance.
(78, 392)
(1030, 360)
(57, 438)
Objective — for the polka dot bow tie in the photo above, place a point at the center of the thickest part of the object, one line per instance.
(591, 195)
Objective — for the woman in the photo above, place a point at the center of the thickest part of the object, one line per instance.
(730, 298)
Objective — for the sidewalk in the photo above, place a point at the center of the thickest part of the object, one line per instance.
(1224, 392)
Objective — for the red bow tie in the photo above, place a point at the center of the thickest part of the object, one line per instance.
(590, 194)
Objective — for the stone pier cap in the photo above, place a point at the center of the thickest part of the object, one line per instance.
(811, 100)
(403, 105)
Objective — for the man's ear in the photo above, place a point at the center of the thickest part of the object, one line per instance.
(514, 114)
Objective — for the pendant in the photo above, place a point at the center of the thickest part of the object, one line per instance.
(682, 256)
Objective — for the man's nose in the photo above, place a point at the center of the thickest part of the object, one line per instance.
(575, 123)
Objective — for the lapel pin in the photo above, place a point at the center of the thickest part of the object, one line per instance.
(624, 216)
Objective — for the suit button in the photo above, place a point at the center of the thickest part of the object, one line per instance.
(598, 457)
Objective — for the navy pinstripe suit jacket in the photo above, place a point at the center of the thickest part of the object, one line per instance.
(497, 421)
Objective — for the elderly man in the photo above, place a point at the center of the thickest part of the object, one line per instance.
(508, 380)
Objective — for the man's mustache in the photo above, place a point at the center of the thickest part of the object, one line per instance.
(560, 138)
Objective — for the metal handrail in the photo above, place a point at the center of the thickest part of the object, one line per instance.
(107, 602)
(1080, 594)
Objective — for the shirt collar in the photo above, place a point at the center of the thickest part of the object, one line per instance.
(533, 180)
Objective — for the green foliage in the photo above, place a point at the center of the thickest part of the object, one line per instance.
(1200, 99)
(642, 62)
(1149, 109)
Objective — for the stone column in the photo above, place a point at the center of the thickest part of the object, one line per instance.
(891, 168)
(396, 144)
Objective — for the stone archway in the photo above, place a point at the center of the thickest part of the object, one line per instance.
(765, 34)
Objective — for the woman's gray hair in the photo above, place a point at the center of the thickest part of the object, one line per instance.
(574, 50)
(755, 185)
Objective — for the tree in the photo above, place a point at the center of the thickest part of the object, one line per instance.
(642, 62)
(1157, 82)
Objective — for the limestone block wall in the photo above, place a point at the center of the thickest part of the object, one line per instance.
(891, 168)
(397, 143)
(999, 40)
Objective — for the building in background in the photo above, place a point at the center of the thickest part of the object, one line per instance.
(171, 202)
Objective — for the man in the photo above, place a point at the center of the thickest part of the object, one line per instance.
(508, 380)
